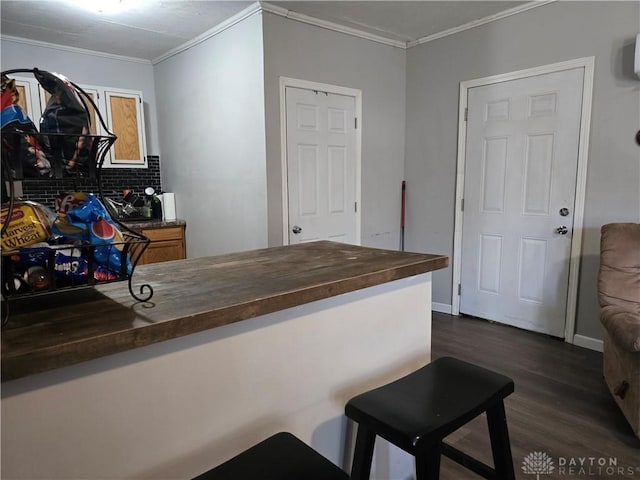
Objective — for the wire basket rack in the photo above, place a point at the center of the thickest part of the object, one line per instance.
(61, 265)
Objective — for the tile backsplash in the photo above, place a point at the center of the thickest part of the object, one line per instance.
(114, 180)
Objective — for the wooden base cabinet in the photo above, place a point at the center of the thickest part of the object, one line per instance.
(167, 243)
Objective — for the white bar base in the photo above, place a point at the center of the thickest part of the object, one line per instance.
(177, 408)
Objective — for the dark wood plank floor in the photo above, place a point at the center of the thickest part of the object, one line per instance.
(561, 405)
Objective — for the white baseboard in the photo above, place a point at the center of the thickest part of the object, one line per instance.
(579, 340)
(441, 307)
(588, 342)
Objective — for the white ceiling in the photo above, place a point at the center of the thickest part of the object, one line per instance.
(153, 27)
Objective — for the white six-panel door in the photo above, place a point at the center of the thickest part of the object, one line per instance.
(519, 191)
(321, 166)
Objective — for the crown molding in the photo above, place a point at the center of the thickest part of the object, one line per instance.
(82, 51)
(259, 7)
(231, 21)
(482, 21)
(300, 17)
(221, 27)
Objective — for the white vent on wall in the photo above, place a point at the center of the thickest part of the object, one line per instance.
(637, 61)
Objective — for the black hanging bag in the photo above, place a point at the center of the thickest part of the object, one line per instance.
(65, 114)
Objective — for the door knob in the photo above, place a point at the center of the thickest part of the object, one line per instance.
(562, 230)
(296, 229)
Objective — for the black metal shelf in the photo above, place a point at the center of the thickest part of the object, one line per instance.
(45, 271)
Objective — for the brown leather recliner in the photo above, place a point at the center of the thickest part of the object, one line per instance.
(619, 296)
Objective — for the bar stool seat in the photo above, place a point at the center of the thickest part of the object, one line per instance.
(417, 411)
(280, 457)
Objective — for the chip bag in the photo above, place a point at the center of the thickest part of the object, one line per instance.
(100, 231)
(62, 227)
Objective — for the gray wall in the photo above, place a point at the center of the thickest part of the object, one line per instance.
(213, 100)
(211, 129)
(301, 51)
(88, 69)
(548, 34)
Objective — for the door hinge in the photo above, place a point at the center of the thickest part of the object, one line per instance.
(466, 113)
(462, 204)
(355, 122)
(459, 289)
(355, 207)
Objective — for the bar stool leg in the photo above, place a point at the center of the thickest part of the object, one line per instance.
(500, 446)
(428, 464)
(363, 454)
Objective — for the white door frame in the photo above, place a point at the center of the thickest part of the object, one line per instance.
(581, 177)
(323, 87)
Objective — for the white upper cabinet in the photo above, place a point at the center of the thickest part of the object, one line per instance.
(125, 118)
(28, 90)
(122, 111)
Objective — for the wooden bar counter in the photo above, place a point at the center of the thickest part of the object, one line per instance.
(229, 350)
(191, 296)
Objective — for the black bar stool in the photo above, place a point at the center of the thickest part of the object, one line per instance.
(279, 457)
(417, 411)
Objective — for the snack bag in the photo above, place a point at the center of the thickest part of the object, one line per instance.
(71, 265)
(32, 270)
(30, 223)
(28, 271)
(102, 232)
(36, 254)
(64, 203)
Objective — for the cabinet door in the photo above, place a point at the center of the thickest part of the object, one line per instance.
(29, 98)
(125, 118)
(121, 109)
(163, 251)
(91, 93)
(166, 244)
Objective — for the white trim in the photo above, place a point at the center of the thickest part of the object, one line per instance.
(32, 97)
(325, 87)
(482, 21)
(259, 7)
(457, 224)
(441, 307)
(81, 51)
(578, 209)
(221, 27)
(300, 17)
(136, 95)
(588, 342)
(581, 177)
